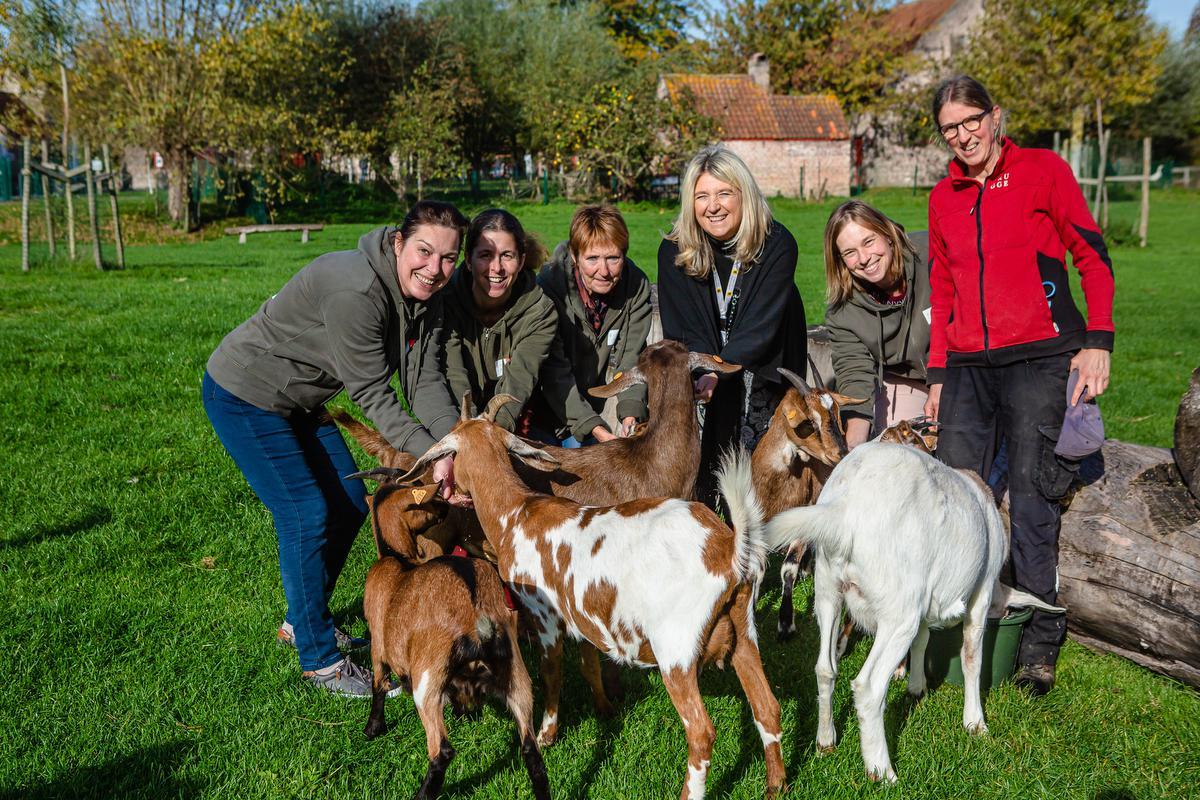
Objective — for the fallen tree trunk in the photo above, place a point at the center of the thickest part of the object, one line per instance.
(1129, 559)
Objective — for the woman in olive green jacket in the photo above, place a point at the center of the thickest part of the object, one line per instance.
(499, 324)
(603, 303)
(878, 317)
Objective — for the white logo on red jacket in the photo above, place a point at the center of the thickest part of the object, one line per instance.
(1000, 182)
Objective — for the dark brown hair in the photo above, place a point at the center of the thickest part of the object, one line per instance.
(433, 212)
(966, 90)
(497, 219)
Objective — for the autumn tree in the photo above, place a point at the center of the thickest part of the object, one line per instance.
(840, 47)
(647, 28)
(421, 137)
(622, 135)
(1046, 60)
(39, 38)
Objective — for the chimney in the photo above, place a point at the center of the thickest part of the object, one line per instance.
(760, 71)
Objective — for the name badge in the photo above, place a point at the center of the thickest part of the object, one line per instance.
(928, 314)
(612, 336)
(500, 367)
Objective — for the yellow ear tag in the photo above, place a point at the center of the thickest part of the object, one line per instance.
(791, 414)
(618, 375)
(419, 495)
(718, 359)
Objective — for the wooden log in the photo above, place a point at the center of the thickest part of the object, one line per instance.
(1187, 436)
(1129, 561)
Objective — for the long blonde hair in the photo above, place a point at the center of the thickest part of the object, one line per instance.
(695, 253)
(839, 283)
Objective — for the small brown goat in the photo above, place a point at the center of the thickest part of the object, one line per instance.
(791, 463)
(443, 627)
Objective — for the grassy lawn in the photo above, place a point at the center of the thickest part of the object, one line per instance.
(142, 589)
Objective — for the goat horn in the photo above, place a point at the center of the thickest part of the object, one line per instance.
(495, 404)
(795, 380)
(378, 474)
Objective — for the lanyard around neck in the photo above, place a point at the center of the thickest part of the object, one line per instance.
(726, 299)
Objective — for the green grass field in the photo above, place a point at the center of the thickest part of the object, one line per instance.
(139, 577)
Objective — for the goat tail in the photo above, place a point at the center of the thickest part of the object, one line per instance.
(819, 525)
(1004, 596)
(369, 439)
(745, 515)
(489, 644)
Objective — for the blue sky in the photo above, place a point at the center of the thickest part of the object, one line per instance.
(1172, 13)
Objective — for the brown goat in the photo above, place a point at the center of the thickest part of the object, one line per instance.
(444, 629)
(791, 463)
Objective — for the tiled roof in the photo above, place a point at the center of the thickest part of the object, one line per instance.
(910, 20)
(744, 110)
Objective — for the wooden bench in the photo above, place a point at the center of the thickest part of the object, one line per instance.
(243, 230)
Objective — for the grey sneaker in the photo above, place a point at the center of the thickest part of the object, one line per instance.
(286, 635)
(347, 679)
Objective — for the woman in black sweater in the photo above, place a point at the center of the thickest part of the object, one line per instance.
(726, 287)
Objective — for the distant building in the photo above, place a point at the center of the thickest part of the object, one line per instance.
(794, 144)
(936, 31)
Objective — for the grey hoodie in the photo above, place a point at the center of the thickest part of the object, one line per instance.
(341, 322)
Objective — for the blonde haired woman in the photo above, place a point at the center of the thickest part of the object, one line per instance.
(725, 287)
(877, 280)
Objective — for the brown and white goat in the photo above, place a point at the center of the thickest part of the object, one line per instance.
(662, 460)
(654, 582)
(444, 629)
(792, 461)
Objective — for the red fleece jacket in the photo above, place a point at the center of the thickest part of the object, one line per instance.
(999, 286)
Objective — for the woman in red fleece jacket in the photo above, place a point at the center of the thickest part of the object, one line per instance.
(1005, 332)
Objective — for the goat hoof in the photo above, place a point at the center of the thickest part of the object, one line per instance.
(547, 738)
(825, 749)
(785, 633)
(605, 710)
(374, 729)
(977, 728)
(887, 775)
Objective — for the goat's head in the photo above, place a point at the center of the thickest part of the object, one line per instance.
(812, 421)
(474, 442)
(920, 435)
(401, 513)
(663, 358)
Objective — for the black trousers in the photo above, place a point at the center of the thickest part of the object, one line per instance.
(1023, 403)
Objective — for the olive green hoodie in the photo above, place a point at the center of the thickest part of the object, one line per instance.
(869, 338)
(581, 357)
(505, 357)
(342, 322)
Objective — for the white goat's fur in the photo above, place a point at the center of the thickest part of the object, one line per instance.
(909, 544)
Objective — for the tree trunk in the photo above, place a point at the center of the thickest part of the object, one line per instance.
(1129, 554)
(1187, 436)
(66, 148)
(178, 164)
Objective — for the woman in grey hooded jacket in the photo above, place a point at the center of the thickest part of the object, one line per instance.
(878, 317)
(349, 320)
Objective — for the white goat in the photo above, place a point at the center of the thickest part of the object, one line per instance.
(910, 544)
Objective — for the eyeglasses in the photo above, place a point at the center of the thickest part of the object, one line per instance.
(970, 124)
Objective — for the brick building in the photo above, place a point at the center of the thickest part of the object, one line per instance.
(795, 145)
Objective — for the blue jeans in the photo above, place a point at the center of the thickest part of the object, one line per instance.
(295, 466)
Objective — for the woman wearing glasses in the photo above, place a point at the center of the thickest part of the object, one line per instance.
(877, 281)
(499, 323)
(725, 287)
(1005, 332)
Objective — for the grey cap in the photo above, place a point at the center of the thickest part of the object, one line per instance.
(1082, 428)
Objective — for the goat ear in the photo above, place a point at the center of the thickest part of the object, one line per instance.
(711, 363)
(468, 408)
(533, 456)
(930, 440)
(620, 382)
(843, 400)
